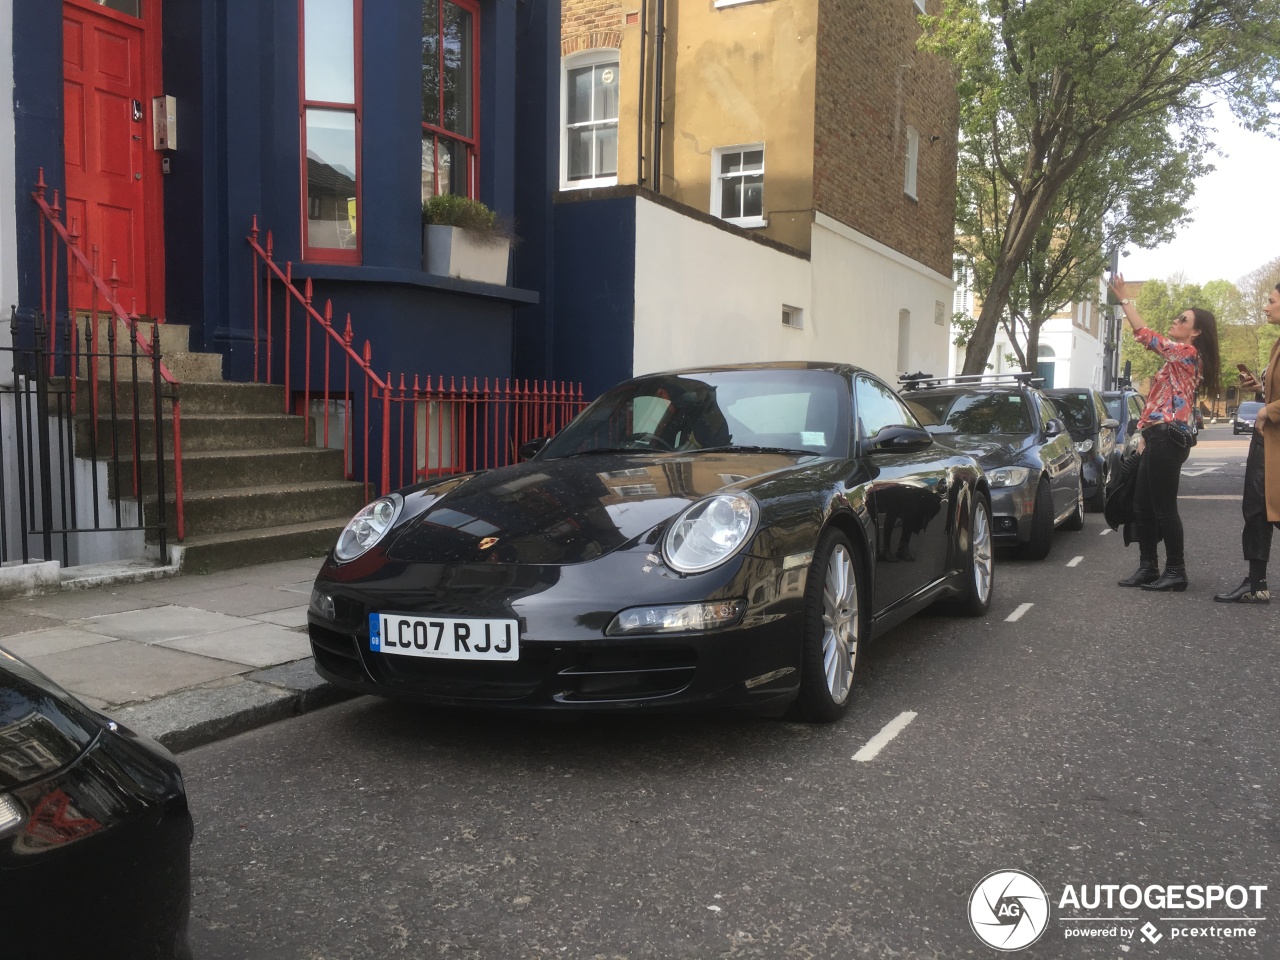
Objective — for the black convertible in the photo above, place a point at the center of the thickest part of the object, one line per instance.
(725, 536)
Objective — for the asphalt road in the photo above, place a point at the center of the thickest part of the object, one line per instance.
(1097, 738)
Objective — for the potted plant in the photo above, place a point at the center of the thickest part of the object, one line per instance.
(463, 238)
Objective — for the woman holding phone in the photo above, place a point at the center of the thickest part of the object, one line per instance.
(1261, 503)
(1167, 425)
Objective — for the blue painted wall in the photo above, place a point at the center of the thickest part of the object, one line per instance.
(594, 309)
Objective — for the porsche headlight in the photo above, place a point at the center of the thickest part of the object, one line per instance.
(368, 527)
(1008, 476)
(1084, 446)
(710, 532)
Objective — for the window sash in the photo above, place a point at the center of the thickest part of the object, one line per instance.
(740, 187)
(330, 126)
(591, 122)
(450, 107)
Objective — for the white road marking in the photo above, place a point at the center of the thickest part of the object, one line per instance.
(1073, 561)
(1105, 531)
(881, 739)
(1017, 614)
(1200, 469)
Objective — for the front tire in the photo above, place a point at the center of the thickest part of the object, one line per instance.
(1037, 548)
(1076, 520)
(832, 631)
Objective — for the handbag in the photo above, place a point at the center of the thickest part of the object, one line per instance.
(1117, 509)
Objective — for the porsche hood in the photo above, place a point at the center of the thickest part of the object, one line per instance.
(568, 510)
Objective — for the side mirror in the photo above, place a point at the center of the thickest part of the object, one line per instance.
(1054, 428)
(529, 449)
(899, 439)
(1111, 423)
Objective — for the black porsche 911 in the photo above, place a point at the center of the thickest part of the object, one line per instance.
(724, 537)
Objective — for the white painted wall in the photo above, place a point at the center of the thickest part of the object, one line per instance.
(704, 295)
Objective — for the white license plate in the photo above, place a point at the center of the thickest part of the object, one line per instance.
(445, 638)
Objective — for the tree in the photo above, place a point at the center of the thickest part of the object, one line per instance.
(1054, 84)
(1137, 191)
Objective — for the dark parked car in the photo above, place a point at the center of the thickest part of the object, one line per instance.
(1023, 445)
(1125, 407)
(1094, 431)
(1246, 416)
(723, 537)
(95, 834)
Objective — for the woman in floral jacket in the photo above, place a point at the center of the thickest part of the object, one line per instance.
(1190, 351)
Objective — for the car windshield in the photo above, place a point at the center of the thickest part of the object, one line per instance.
(1248, 410)
(802, 410)
(1076, 409)
(971, 411)
(1115, 406)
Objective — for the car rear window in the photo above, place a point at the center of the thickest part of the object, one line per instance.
(1248, 410)
(971, 411)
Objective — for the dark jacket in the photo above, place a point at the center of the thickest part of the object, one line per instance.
(1118, 510)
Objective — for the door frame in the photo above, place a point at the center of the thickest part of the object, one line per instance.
(152, 213)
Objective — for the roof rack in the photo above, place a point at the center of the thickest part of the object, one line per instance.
(914, 381)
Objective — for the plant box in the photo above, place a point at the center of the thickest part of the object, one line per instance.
(455, 252)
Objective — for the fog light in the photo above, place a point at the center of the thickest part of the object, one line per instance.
(684, 618)
(11, 814)
(321, 604)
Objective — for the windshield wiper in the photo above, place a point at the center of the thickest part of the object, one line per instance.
(750, 448)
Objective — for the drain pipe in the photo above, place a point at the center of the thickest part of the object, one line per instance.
(644, 33)
(659, 44)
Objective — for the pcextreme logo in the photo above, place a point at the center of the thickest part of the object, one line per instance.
(1008, 910)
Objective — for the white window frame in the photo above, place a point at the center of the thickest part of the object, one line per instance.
(575, 61)
(911, 177)
(716, 154)
(738, 3)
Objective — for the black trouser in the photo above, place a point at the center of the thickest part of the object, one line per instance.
(1256, 538)
(1155, 494)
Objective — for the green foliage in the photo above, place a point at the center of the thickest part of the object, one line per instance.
(446, 209)
(1066, 104)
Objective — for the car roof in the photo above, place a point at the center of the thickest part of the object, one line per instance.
(845, 369)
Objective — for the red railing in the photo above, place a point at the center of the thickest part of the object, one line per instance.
(103, 299)
(426, 429)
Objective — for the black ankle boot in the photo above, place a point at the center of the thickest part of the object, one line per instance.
(1174, 578)
(1246, 593)
(1148, 572)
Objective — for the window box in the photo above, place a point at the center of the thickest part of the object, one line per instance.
(466, 254)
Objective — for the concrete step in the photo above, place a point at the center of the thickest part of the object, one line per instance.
(199, 432)
(183, 364)
(174, 337)
(251, 509)
(224, 469)
(197, 397)
(205, 553)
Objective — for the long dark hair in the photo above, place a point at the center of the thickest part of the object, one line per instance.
(1207, 346)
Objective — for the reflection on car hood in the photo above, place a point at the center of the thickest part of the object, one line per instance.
(568, 510)
(42, 728)
(989, 449)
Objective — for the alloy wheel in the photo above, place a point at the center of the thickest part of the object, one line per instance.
(840, 624)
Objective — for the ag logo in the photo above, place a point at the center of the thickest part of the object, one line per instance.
(1008, 910)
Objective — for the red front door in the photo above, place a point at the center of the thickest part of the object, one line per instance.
(112, 189)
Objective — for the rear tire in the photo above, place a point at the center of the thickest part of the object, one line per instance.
(1037, 548)
(981, 574)
(832, 631)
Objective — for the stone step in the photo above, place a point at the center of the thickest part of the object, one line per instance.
(197, 398)
(224, 469)
(199, 432)
(182, 364)
(208, 512)
(174, 337)
(205, 553)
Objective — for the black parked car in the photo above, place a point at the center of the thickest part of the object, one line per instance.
(1094, 431)
(725, 536)
(95, 834)
(1125, 407)
(1246, 416)
(1021, 442)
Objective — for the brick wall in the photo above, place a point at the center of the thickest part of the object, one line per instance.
(588, 24)
(872, 83)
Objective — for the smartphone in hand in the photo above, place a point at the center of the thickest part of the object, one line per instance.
(1245, 370)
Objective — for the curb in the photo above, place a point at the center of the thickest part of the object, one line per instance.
(202, 715)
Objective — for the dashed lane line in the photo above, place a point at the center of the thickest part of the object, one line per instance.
(881, 739)
(1074, 561)
(1017, 614)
